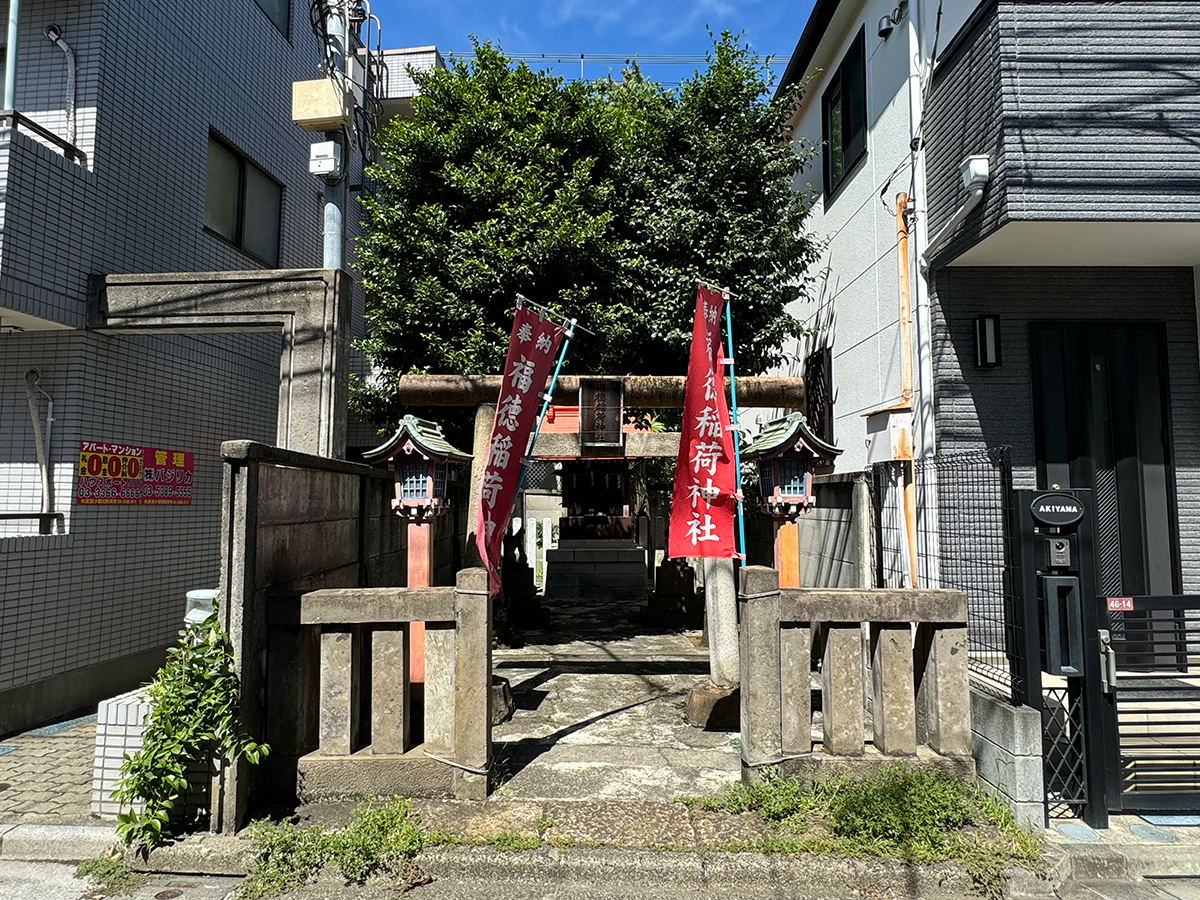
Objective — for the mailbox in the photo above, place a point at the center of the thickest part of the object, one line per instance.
(1058, 524)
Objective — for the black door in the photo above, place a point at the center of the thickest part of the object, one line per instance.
(1100, 394)
(1101, 415)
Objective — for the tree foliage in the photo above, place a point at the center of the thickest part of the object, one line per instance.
(605, 201)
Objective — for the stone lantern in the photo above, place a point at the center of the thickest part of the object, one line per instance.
(423, 462)
(787, 454)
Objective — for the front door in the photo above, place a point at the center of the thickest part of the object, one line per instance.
(1100, 394)
(1101, 408)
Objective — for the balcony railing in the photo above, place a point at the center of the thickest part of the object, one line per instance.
(12, 119)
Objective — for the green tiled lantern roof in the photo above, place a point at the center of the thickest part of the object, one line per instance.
(425, 436)
(789, 433)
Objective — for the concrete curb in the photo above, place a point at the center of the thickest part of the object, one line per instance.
(55, 843)
(223, 855)
(699, 869)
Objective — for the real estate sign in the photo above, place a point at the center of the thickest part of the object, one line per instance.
(127, 475)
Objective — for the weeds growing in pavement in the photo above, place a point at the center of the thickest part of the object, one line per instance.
(110, 876)
(378, 839)
(899, 811)
(514, 840)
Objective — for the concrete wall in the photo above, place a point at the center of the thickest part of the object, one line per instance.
(836, 537)
(292, 523)
(1006, 742)
(978, 408)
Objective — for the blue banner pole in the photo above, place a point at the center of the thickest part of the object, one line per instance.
(733, 409)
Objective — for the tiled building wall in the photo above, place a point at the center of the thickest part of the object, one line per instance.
(115, 585)
(161, 75)
(981, 408)
(152, 80)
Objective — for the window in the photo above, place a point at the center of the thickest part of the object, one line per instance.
(242, 203)
(278, 11)
(818, 393)
(844, 116)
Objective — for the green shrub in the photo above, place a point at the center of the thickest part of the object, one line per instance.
(193, 718)
(898, 803)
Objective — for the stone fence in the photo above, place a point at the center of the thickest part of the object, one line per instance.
(918, 701)
(366, 744)
(291, 523)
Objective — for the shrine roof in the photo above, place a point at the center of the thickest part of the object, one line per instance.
(426, 438)
(788, 433)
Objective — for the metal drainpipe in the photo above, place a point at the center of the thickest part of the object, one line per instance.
(337, 26)
(10, 55)
(54, 35)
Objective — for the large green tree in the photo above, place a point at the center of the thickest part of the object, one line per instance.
(605, 201)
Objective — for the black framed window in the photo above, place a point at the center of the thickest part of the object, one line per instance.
(278, 11)
(844, 116)
(242, 203)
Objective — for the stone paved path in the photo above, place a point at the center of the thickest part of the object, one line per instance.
(599, 710)
(46, 774)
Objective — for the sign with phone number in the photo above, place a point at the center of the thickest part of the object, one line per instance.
(120, 474)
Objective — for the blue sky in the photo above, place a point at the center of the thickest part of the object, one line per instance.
(572, 27)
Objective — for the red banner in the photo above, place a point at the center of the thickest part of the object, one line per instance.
(703, 502)
(531, 352)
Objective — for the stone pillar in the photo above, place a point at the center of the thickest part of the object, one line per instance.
(473, 685)
(338, 730)
(795, 668)
(862, 516)
(720, 601)
(943, 691)
(485, 414)
(762, 741)
(893, 697)
(390, 726)
(440, 698)
(842, 690)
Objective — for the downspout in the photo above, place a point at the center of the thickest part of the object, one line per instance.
(54, 35)
(10, 55)
(906, 382)
(32, 388)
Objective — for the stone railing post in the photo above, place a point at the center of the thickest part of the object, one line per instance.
(761, 719)
(842, 690)
(339, 703)
(943, 695)
(389, 689)
(472, 685)
(893, 709)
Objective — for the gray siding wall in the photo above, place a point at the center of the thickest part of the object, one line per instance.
(1088, 111)
(963, 118)
(977, 408)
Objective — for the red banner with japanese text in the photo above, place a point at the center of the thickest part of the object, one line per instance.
(703, 502)
(531, 353)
